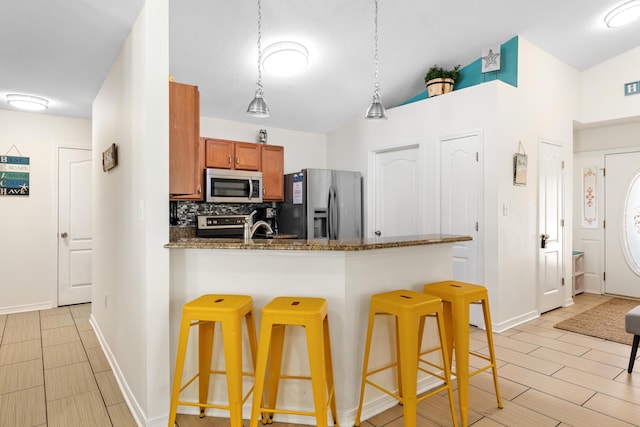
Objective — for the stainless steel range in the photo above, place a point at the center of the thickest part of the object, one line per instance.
(220, 225)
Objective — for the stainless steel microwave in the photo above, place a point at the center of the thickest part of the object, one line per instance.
(233, 186)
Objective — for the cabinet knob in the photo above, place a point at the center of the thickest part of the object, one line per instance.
(229, 158)
(377, 232)
(64, 235)
(237, 160)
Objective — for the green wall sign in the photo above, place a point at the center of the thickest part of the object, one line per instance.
(631, 88)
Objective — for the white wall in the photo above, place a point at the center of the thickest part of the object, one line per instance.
(610, 123)
(301, 149)
(603, 89)
(130, 203)
(504, 116)
(29, 224)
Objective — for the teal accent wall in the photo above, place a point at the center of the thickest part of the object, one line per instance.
(472, 75)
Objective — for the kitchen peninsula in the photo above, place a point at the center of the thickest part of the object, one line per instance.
(346, 273)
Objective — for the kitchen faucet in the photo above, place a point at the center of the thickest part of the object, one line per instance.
(250, 227)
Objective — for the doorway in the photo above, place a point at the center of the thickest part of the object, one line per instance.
(622, 230)
(551, 227)
(460, 194)
(397, 192)
(75, 245)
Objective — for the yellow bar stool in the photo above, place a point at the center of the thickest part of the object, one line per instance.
(457, 298)
(312, 314)
(410, 310)
(204, 312)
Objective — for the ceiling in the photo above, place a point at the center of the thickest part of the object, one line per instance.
(68, 50)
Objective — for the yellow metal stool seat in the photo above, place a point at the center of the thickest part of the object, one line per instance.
(204, 312)
(457, 298)
(410, 310)
(312, 314)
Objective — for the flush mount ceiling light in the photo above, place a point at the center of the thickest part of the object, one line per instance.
(258, 106)
(27, 102)
(285, 58)
(376, 109)
(623, 14)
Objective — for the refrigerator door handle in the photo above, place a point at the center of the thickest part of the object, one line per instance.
(336, 215)
(330, 214)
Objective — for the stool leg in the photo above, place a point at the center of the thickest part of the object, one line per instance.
(205, 350)
(232, 335)
(634, 351)
(408, 349)
(317, 364)
(185, 324)
(329, 370)
(461, 348)
(446, 361)
(365, 363)
(261, 370)
(275, 364)
(398, 357)
(492, 351)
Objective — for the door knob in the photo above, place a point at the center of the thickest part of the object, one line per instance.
(377, 232)
(64, 235)
(543, 240)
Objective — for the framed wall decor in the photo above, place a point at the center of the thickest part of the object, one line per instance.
(520, 166)
(110, 158)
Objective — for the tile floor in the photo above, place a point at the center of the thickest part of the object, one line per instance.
(548, 377)
(53, 373)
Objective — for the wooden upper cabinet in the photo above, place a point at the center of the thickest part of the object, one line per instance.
(186, 150)
(247, 156)
(272, 173)
(219, 154)
(225, 154)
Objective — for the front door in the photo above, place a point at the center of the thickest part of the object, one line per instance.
(622, 231)
(397, 192)
(74, 226)
(551, 228)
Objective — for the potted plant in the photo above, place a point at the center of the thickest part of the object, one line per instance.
(439, 80)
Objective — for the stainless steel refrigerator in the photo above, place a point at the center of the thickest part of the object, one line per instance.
(322, 204)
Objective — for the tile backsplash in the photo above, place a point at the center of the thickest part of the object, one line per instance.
(183, 213)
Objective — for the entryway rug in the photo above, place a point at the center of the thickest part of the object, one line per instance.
(604, 321)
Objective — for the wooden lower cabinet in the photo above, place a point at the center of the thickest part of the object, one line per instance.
(272, 173)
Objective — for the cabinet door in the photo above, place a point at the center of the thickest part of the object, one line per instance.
(247, 156)
(272, 173)
(186, 152)
(219, 154)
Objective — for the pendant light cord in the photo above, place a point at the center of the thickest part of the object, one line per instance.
(375, 56)
(260, 47)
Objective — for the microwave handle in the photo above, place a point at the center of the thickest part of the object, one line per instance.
(250, 188)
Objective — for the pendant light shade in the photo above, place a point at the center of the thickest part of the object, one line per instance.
(376, 109)
(258, 106)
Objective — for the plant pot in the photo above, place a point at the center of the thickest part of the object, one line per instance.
(439, 86)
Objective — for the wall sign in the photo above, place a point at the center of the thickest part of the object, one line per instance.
(14, 175)
(110, 158)
(632, 88)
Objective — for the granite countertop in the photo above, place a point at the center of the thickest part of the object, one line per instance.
(315, 245)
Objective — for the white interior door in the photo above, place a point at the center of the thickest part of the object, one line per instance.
(74, 226)
(459, 190)
(396, 192)
(622, 231)
(551, 214)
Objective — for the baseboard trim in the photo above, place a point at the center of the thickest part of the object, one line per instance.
(27, 307)
(129, 398)
(515, 321)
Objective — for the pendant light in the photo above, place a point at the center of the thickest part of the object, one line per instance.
(376, 109)
(258, 106)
